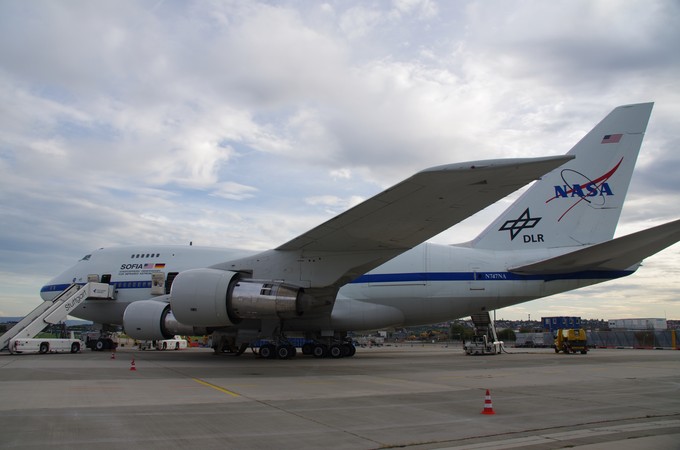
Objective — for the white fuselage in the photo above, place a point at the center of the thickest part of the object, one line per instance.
(430, 283)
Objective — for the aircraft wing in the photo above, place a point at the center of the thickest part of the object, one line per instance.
(422, 206)
(617, 254)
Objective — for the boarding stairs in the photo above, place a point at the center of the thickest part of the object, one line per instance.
(484, 325)
(485, 341)
(55, 311)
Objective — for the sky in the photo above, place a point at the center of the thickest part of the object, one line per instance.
(243, 124)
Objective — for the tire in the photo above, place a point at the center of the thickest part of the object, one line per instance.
(44, 347)
(75, 347)
(283, 352)
(268, 351)
(336, 351)
(176, 345)
(319, 351)
(165, 345)
(307, 348)
(100, 345)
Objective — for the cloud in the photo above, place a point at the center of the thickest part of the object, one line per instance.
(245, 124)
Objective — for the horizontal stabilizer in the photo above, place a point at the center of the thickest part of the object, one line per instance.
(617, 254)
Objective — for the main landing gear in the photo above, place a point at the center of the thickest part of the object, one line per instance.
(334, 350)
(285, 349)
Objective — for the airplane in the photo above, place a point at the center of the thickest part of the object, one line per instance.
(370, 268)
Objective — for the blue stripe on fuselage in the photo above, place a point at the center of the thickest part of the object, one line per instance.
(117, 284)
(487, 276)
(421, 277)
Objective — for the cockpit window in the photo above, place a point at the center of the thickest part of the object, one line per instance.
(86, 258)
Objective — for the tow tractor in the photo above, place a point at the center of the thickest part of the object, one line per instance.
(485, 341)
(49, 345)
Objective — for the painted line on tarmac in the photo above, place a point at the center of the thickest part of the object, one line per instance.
(569, 438)
(221, 389)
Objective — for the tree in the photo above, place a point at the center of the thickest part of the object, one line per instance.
(458, 331)
(506, 334)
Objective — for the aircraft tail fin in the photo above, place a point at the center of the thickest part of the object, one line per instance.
(580, 202)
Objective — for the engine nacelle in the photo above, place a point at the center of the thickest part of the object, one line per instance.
(151, 319)
(217, 298)
(199, 296)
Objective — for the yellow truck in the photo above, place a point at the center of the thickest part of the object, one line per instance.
(569, 340)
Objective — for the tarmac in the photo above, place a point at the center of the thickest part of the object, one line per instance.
(414, 397)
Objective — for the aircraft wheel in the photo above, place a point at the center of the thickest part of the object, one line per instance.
(336, 351)
(44, 347)
(319, 351)
(283, 352)
(292, 351)
(268, 351)
(346, 350)
(307, 348)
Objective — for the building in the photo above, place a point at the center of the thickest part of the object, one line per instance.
(555, 323)
(638, 324)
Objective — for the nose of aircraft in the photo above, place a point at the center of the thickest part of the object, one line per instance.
(50, 290)
(55, 286)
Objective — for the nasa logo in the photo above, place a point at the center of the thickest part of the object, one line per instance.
(578, 190)
(593, 192)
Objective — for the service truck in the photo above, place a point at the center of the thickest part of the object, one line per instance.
(48, 345)
(175, 343)
(569, 340)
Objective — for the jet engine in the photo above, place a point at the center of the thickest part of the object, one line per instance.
(209, 298)
(217, 298)
(153, 319)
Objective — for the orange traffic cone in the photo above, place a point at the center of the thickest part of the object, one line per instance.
(132, 365)
(488, 406)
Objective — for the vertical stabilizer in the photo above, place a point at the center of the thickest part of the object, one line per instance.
(580, 202)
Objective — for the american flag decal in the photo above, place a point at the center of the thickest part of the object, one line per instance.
(611, 139)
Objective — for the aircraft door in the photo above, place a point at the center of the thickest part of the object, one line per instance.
(168, 281)
(476, 283)
(158, 283)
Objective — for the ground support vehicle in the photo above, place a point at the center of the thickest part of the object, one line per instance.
(485, 340)
(99, 342)
(569, 340)
(481, 345)
(176, 343)
(32, 345)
